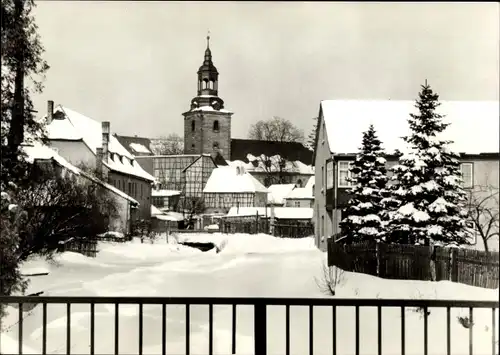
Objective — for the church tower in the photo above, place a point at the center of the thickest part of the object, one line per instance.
(207, 125)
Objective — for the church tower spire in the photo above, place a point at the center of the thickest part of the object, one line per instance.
(207, 125)
(208, 75)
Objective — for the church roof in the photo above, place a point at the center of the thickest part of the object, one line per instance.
(290, 151)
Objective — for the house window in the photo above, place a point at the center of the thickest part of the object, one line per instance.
(192, 126)
(216, 126)
(322, 177)
(344, 174)
(467, 170)
(322, 226)
(329, 174)
(296, 204)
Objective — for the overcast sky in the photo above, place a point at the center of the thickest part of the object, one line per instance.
(135, 63)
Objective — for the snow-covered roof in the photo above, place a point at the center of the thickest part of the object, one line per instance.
(164, 193)
(300, 193)
(63, 129)
(278, 192)
(258, 164)
(139, 148)
(166, 216)
(210, 108)
(310, 182)
(474, 124)
(226, 179)
(279, 212)
(76, 126)
(38, 151)
(155, 211)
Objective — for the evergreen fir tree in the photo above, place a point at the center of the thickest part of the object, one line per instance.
(426, 202)
(311, 138)
(364, 210)
(23, 70)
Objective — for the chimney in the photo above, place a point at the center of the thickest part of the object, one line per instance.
(98, 163)
(105, 140)
(50, 111)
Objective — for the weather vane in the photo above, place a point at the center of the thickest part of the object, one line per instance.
(208, 38)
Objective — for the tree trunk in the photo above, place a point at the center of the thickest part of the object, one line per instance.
(16, 130)
(485, 242)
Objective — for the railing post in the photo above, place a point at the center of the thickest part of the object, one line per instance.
(260, 329)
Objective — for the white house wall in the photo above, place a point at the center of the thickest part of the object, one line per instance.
(323, 225)
(75, 152)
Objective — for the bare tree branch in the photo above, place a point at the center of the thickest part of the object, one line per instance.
(275, 130)
(483, 211)
(173, 144)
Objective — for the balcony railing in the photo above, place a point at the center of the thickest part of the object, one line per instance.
(260, 306)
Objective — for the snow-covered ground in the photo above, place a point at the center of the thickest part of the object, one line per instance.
(248, 265)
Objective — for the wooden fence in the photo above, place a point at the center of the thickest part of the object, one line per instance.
(87, 247)
(410, 262)
(257, 224)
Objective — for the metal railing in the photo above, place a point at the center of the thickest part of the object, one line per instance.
(260, 318)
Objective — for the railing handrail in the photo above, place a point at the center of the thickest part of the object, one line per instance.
(270, 301)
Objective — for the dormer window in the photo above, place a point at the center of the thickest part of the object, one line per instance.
(216, 126)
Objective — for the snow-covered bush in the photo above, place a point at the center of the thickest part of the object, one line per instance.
(364, 209)
(427, 201)
(61, 207)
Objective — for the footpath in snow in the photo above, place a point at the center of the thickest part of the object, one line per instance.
(246, 266)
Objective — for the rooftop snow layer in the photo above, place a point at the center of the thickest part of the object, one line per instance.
(258, 164)
(310, 183)
(164, 193)
(63, 129)
(42, 152)
(278, 192)
(226, 179)
(210, 108)
(139, 148)
(77, 126)
(290, 151)
(474, 124)
(300, 193)
(166, 216)
(279, 212)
